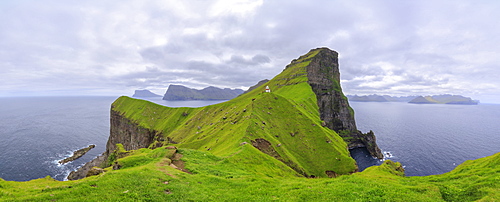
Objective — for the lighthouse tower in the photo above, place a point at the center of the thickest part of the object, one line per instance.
(267, 89)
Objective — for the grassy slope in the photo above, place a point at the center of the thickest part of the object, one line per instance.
(145, 177)
(224, 169)
(287, 117)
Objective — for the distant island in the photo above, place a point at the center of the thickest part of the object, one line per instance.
(433, 99)
(179, 92)
(444, 99)
(145, 93)
(379, 98)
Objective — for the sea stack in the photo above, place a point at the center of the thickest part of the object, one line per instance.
(324, 78)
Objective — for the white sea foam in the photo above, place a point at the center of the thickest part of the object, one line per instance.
(61, 157)
(387, 155)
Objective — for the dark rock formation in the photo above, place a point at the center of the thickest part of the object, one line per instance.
(129, 134)
(95, 171)
(260, 83)
(178, 92)
(144, 93)
(324, 78)
(122, 131)
(77, 154)
(82, 171)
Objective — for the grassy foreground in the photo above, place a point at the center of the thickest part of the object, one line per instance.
(146, 176)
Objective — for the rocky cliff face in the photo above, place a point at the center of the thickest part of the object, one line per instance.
(122, 131)
(324, 78)
(129, 134)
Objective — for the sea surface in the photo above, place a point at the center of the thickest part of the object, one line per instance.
(37, 132)
(428, 139)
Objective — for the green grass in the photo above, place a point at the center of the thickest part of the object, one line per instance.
(223, 165)
(218, 178)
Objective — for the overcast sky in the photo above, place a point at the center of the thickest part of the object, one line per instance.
(112, 47)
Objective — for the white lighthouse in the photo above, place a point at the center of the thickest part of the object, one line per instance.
(267, 89)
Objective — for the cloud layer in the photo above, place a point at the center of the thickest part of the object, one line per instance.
(51, 47)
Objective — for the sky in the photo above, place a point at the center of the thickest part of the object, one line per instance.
(113, 47)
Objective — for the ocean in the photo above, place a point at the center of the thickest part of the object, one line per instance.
(429, 139)
(37, 132)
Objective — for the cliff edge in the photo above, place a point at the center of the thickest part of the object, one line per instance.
(324, 78)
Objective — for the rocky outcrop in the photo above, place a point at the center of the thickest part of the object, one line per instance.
(178, 92)
(124, 132)
(83, 171)
(144, 93)
(77, 154)
(130, 134)
(324, 78)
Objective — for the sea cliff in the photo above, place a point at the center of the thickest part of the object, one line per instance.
(308, 90)
(125, 132)
(324, 78)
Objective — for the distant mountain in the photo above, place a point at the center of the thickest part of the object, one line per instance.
(444, 99)
(145, 93)
(399, 98)
(367, 98)
(179, 92)
(379, 98)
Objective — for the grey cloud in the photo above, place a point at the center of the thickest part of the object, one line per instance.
(430, 44)
(260, 59)
(255, 60)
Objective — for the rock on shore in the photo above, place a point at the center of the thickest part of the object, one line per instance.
(77, 154)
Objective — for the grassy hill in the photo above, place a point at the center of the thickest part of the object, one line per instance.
(257, 147)
(284, 124)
